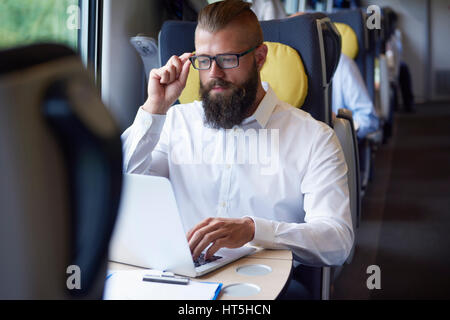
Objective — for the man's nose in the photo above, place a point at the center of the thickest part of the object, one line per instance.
(215, 71)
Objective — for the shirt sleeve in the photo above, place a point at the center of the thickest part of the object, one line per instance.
(350, 92)
(145, 145)
(326, 237)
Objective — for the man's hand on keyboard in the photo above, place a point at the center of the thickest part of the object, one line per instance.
(220, 232)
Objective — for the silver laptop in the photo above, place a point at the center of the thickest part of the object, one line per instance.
(149, 232)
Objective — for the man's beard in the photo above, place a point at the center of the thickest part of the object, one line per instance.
(228, 109)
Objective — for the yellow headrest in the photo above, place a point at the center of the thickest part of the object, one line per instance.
(285, 73)
(349, 40)
(191, 91)
(282, 63)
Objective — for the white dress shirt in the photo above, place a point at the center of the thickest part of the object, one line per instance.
(350, 92)
(291, 179)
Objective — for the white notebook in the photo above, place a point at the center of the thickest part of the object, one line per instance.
(129, 285)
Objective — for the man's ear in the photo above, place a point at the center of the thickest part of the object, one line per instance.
(260, 56)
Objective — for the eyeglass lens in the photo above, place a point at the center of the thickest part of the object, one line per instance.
(224, 61)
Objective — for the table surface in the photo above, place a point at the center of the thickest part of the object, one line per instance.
(270, 284)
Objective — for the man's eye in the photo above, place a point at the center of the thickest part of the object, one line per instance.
(203, 61)
(227, 59)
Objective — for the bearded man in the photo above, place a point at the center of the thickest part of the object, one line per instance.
(225, 195)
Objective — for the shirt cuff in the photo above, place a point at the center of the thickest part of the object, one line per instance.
(264, 232)
(149, 122)
(356, 124)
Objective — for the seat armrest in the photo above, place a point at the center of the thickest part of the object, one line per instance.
(344, 129)
(346, 114)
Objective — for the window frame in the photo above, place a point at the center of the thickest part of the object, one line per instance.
(90, 36)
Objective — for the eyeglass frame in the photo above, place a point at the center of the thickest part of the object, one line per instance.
(238, 55)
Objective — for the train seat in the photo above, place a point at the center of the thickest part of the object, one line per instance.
(61, 168)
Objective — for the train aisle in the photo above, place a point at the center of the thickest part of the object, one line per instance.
(405, 227)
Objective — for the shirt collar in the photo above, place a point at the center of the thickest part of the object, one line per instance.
(265, 108)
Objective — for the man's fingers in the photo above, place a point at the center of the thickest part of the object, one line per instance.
(177, 63)
(185, 56)
(201, 233)
(184, 72)
(155, 74)
(173, 74)
(219, 243)
(219, 232)
(168, 74)
(206, 241)
(163, 75)
(177, 68)
(154, 78)
(197, 227)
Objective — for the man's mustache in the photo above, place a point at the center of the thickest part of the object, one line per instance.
(220, 83)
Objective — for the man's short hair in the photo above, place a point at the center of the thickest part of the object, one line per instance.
(218, 15)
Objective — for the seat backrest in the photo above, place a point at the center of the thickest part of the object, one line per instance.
(355, 19)
(349, 40)
(317, 42)
(61, 161)
(332, 51)
(381, 35)
(177, 37)
(389, 21)
(350, 47)
(372, 36)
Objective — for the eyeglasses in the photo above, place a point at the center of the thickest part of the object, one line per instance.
(224, 61)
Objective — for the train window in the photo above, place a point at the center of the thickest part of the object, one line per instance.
(25, 22)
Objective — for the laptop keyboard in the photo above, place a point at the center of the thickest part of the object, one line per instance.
(201, 260)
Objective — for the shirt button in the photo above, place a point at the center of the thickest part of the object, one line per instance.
(228, 166)
(223, 204)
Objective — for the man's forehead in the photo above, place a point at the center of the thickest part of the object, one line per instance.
(227, 39)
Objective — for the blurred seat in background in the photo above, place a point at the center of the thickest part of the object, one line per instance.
(61, 168)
